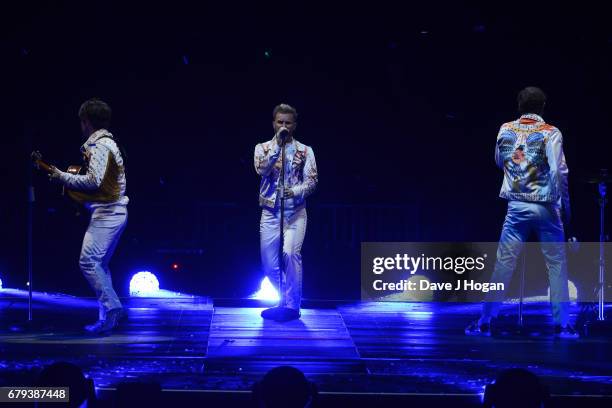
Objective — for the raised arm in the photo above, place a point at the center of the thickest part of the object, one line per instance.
(265, 157)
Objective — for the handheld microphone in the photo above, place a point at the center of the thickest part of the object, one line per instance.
(283, 133)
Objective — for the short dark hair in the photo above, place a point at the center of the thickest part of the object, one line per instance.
(97, 112)
(64, 374)
(284, 386)
(531, 100)
(284, 108)
(516, 387)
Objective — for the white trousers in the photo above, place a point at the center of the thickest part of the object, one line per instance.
(101, 239)
(293, 235)
(522, 219)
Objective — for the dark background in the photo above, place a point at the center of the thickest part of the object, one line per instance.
(401, 105)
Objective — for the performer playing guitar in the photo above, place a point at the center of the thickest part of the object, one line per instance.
(100, 187)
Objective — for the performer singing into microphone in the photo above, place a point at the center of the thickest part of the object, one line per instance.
(102, 191)
(535, 183)
(300, 181)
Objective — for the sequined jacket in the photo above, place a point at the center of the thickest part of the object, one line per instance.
(530, 152)
(300, 174)
(105, 173)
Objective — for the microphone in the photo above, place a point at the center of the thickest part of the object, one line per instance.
(282, 134)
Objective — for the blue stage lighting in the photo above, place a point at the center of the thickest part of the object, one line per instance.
(266, 291)
(144, 284)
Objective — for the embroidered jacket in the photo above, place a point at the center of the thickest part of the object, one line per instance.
(530, 152)
(300, 174)
(104, 184)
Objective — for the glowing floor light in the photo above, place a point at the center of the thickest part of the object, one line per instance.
(266, 291)
(144, 284)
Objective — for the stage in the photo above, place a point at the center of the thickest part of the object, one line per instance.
(374, 350)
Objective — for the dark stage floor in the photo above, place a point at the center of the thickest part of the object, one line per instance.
(187, 343)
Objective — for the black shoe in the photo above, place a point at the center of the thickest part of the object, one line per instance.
(297, 313)
(102, 327)
(567, 332)
(476, 329)
(281, 314)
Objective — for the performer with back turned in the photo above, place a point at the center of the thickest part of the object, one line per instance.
(102, 190)
(535, 183)
(300, 181)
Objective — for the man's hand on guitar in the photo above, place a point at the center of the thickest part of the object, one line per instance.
(55, 175)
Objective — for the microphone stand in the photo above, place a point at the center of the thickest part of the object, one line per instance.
(281, 313)
(602, 262)
(29, 324)
(601, 326)
(520, 322)
(30, 257)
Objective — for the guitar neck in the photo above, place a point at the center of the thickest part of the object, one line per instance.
(43, 166)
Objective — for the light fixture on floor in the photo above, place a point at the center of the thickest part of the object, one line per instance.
(266, 291)
(144, 284)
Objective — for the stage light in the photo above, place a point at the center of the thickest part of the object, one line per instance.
(266, 291)
(0, 283)
(410, 295)
(144, 284)
(175, 266)
(482, 393)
